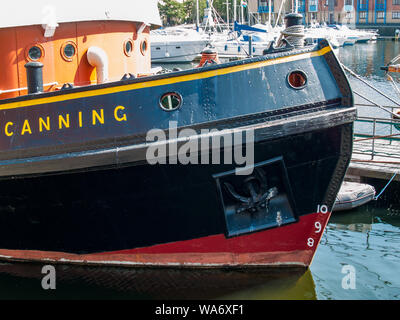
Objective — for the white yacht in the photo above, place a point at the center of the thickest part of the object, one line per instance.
(314, 33)
(177, 45)
(355, 35)
(339, 36)
(237, 46)
(367, 35)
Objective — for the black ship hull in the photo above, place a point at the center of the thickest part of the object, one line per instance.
(81, 187)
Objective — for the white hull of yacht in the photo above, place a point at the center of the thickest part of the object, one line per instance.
(350, 41)
(176, 51)
(234, 49)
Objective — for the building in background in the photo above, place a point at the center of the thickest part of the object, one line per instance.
(378, 12)
(363, 13)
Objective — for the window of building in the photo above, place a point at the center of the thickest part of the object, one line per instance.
(349, 15)
(265, 3)
(380, 15)
(348, 2)
(380, 4)
(396, 2)
(363, 15)
(395, 15)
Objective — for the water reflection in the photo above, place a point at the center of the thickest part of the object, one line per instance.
(367, 239)
(367, 58)
(291, 287)
(23, 281)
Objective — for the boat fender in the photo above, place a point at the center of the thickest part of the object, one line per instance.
(209, 56)
(98, 59)
(391, 68)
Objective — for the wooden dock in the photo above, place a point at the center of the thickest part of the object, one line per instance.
(378, 159)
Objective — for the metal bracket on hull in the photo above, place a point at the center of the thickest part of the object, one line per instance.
(261, 201)
(259, 195)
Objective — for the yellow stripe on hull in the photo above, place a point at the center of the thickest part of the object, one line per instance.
(161, 82)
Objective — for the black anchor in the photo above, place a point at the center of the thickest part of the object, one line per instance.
(256, 199)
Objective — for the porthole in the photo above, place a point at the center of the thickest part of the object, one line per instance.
(171, 101)
(35, 53)
(143, 47)
(128, 47)
(297, 79)
(68, 51)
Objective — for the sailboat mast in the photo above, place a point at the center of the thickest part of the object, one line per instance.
(197, 14)
(242, 11)
(227, 12)
(234, 11)
(269, 13)
(279, 13)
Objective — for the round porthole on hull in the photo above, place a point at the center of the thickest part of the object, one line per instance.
(128, 47)
(143, 47)
(297, 79)
(68, 51)
(171, 101)
(35, 53)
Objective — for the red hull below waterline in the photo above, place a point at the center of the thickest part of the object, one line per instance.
(291, 245)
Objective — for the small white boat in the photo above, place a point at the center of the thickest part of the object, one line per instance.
(352, 195)
(366, 35)
(233, 46)
(238, 48)
(314, 33)
(176, 45)
(352, 36)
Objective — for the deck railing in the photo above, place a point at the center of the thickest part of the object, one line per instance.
(371, 131)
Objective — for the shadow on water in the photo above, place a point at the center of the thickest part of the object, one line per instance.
(23, 281)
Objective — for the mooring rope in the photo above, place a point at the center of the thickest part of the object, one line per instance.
(369, 85)
(394, 60)
(376, 104)
(383, 190)
(394, 85)
(240, 45)
(294, 35)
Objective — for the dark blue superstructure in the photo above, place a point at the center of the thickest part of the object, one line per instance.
(255, 90)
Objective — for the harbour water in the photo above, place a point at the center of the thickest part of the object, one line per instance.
(358, 257)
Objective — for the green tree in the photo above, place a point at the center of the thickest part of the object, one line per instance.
(219, 5)
(172, 12)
